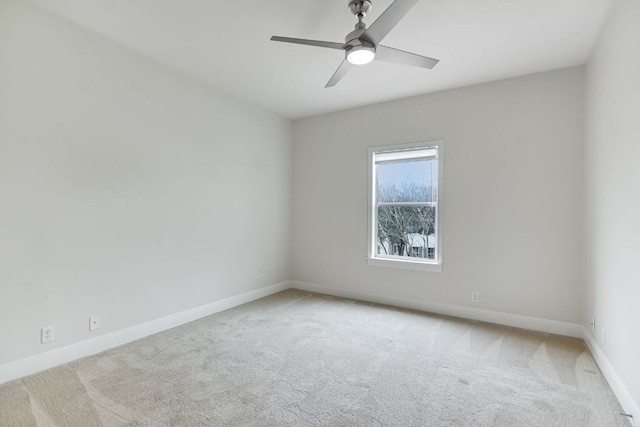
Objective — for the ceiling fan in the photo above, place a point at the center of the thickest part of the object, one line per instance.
(362, 46)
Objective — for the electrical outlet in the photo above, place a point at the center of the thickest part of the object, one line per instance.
(94, 322)
(263, 279)
(593, 324)
(47, 334)
(474, 296)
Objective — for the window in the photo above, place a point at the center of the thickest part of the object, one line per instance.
(405, 193)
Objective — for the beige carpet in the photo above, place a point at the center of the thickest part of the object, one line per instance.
(301, 359)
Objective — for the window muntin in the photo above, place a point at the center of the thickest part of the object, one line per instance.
(405, 185)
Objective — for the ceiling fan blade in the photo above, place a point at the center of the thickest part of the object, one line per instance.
(340, 73)
(330, 45)
(389, 54)
(385, 22)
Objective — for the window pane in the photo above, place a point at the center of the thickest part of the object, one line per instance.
(406, 231)
(409, 181)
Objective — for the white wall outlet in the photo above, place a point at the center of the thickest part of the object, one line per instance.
(47, 334)
(593, 324)
(94, 322)
(474, 296)
(263, 279)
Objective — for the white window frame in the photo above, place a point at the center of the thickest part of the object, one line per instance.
(373, 258)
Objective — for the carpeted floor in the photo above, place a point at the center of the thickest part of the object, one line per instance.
(302, 359)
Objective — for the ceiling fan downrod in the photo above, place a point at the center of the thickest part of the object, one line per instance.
(360, 8)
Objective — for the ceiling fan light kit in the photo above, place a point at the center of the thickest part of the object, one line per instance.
(360, 55)
(362, 46)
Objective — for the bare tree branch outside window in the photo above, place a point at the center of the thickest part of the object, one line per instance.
(404, 229)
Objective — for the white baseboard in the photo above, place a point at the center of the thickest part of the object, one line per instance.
(525, 322)
(622, 393)
(31, 365)
(39, 362)
(515, 320)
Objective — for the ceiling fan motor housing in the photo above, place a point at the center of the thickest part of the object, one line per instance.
(360, 7)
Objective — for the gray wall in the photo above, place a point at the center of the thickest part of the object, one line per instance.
(612, 189)
(512, 214)
(126, 190)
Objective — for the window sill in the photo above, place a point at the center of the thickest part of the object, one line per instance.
(405, 265)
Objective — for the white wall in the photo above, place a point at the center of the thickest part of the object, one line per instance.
(612, 193)
(512, 216)
(126, 189)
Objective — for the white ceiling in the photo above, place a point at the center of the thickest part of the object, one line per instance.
(226, 44)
